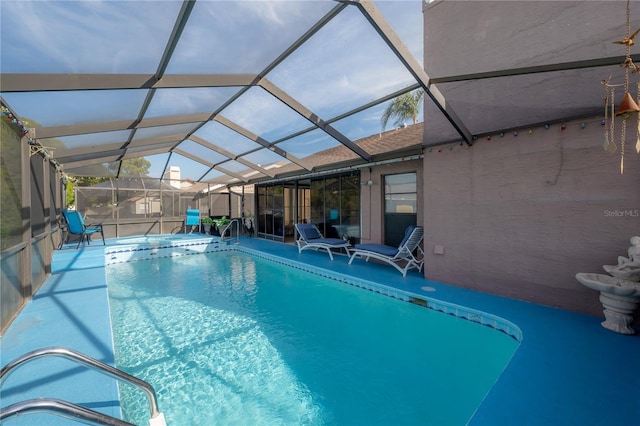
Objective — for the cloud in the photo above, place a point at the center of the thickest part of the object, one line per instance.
(344, 65)
(189, 100)
(86, 36)
(241, 36)
(261, 113)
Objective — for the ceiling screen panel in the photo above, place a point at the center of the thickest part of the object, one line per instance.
(104, 37)
(241, 36)
(202, 152)
(437, 129)
(189, 168)
(95, 151)
(152, 147)
(264, 115)
(266, 158)
(77, 107)
(222, 136)
(234, 166)
(184, 101)
(180, 130)
(308, 143)
(147, 150)
(345, 65)
(213, 174)
(53, 145)
(153, 143)
(156, 161)
(331, 156)
(406, 21)
(90, 139)
(365, 123)
(516, 101)
(550, 32)
(253, 174)
(340, 65)
(95, 167)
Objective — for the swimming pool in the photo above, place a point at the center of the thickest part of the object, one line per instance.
(229, 338)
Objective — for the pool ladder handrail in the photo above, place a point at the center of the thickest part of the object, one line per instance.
(229, 225)
(60, 408)
(157, 418)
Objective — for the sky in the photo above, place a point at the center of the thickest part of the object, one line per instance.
(342, 67)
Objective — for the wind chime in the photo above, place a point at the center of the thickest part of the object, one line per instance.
(628, 108)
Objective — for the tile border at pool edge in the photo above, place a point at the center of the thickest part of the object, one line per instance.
(132, 252)
(136, 252)
(470, 314)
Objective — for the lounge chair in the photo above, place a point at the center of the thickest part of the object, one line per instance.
(311, 238)
(193, 219)
(76, 226)
(395, 256)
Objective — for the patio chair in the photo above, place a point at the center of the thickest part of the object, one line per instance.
(396, 256)
(193, 219)
(76, 226)
(311, 238)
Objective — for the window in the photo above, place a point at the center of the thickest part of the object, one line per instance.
(400, 193)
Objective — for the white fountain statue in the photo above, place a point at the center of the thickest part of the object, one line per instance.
(620, 292)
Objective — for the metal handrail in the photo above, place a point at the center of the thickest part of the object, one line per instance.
(228, 225)
(59, 408)
(156, 416)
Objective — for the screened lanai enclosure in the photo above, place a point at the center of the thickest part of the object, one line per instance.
(193, 88)
(238, 93)
(271, 110)
(137, 98)
(111, 98)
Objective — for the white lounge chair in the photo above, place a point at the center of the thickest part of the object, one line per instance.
(310, 237)
(401, 257)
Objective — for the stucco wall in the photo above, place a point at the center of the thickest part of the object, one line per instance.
(520, 216)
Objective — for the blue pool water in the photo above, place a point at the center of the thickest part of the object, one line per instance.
(227, 338)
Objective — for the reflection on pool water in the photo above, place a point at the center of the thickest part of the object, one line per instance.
(228, 338)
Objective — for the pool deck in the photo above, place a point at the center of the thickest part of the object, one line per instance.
(568, 370)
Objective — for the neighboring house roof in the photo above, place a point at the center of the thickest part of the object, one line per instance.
(401, 139)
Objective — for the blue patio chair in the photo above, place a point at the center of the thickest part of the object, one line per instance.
(311, 238)
(76, 226)
(401, 257)
(193, 219)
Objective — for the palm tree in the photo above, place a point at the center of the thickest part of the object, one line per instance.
(403, 108)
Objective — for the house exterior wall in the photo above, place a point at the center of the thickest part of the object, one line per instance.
(372, 197)
(520, 215)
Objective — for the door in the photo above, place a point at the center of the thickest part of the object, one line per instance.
(400, 206)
